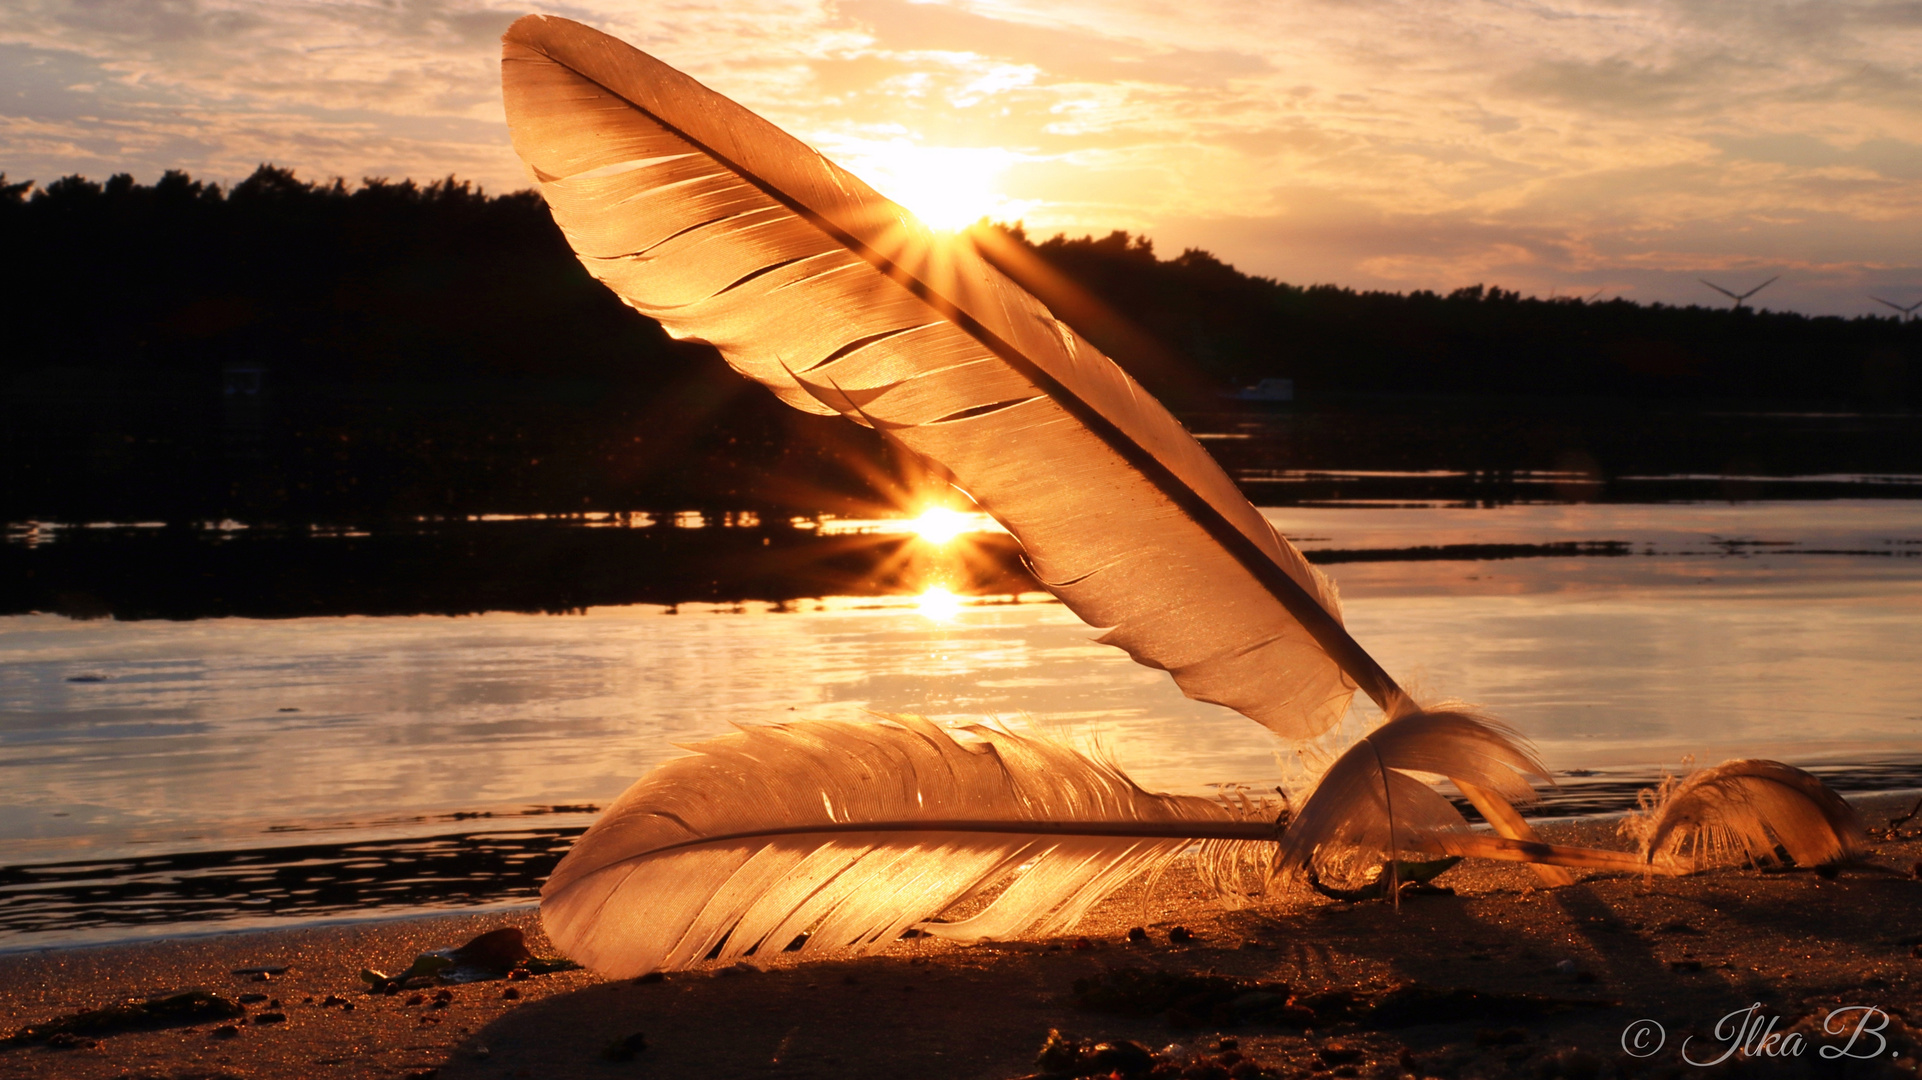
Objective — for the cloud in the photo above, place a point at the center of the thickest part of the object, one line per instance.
(1547, 143)
(1892, 159)
(50, 129)
(1072, 54)
(1616, 84)
(149, 22)
(1828, 262)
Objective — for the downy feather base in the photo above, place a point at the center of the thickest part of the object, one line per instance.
(1373, 803)
(1744, 811)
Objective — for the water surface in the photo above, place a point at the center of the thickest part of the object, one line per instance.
(1698, 631)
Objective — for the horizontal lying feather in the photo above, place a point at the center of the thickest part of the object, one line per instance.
(1740, 810)
(728, 230)
(851, 833)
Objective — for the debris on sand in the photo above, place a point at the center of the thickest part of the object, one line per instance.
(173, 1010)
(1065, 1056)
(497, 954)
(624, 1049)
(497, 950)
(1190, 1001)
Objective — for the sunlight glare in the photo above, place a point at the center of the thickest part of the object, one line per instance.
(939, 525)
(947, 187)
(938, 604)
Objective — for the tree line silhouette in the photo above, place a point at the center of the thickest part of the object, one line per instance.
(296, 351)
(1481, 341)
(302, 351)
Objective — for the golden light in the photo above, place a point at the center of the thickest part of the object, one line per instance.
(938, 604)
(948, 187)
(939, 525)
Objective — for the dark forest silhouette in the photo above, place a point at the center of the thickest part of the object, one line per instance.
(297, 352)
(293, 351)
(1482, 341)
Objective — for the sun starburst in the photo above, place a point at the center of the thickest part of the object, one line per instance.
(939, 525)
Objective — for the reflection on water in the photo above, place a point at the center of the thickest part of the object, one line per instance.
(265, 886)
(1856, 527)
(228, 889)
(183, 731)
(1785, 630)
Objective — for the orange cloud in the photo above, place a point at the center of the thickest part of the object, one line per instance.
(1551, 147)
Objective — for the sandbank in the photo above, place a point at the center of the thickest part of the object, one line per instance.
(1520, 980)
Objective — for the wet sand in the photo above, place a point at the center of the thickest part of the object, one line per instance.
(1508, 978)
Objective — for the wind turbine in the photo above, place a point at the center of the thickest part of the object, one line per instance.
(1907, 312)
(1738, 299)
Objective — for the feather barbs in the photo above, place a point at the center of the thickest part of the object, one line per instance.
(850, 833)
(1373, 801)
(1746, 810)
(728, 230)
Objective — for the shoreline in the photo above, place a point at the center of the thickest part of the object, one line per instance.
(1553, 978)
(466, 864)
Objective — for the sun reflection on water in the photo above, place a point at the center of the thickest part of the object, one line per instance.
(938, 604)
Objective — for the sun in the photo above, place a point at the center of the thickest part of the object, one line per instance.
(939, 525)
(947, 187)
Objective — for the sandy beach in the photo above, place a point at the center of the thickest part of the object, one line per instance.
(1501, 978)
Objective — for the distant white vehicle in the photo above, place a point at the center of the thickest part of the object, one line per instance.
(1265, 392)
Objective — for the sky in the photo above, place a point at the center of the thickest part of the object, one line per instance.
(1562, 148)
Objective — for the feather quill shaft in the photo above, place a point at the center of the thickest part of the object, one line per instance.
(726, 229)
(1155, 830)
(1502, 817)
(1535, 853)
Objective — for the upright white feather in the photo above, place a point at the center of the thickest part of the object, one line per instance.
(727, 230)
(851, 833)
